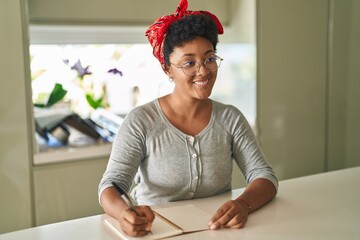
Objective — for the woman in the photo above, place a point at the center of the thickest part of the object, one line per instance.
(181, 146)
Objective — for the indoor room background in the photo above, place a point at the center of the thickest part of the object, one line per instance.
(302, 91)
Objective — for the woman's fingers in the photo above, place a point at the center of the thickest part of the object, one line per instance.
(230, 215)
(137, 223)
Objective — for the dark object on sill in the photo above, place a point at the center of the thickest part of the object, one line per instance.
(58, 126)
(107, 120)
(81, 125)
(41, 131)
(61, 133)
(105, 133)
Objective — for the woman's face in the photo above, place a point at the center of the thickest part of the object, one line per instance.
(198, 86)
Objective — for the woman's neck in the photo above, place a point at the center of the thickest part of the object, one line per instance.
(189, 116)
(187, 107)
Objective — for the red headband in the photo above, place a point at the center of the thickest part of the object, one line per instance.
(157, 31)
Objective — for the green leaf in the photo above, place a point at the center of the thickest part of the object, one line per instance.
(39, 105)
(94, 103)
(56, 95)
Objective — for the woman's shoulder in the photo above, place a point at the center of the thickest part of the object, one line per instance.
(229, 117)
(145, 118)
(225, 109)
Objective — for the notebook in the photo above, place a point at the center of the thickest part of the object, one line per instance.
(170, 221)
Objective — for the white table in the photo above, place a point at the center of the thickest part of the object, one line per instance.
(321, 206)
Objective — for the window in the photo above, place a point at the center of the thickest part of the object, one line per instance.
(127, 75)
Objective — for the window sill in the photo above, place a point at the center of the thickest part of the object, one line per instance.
(72, 154)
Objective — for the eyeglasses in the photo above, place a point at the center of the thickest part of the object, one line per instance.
(191, 68)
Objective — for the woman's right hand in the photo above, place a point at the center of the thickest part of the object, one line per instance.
(136, 224)
(131, 223)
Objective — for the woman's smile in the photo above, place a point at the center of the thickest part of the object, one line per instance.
(201, 82)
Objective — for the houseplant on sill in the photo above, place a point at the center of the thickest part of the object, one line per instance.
(59, 122)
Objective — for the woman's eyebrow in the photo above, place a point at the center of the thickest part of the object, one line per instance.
(193, 55)
(209, 51)
(188, 55)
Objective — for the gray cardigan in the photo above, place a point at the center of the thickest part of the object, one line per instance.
(168, 165)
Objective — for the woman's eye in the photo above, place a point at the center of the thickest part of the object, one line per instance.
(189, 64)
(211, 59)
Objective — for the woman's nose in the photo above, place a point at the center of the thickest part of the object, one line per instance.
(202, 68)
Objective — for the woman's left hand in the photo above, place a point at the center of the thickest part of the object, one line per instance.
(232, 214)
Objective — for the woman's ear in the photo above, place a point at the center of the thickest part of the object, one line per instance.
(167, 71)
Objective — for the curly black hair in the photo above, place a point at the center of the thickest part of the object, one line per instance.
(188, 28)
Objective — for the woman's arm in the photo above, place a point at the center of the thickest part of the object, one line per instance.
(234, 213)
(131, 223)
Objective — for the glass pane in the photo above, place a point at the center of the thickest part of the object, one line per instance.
(118, 77)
